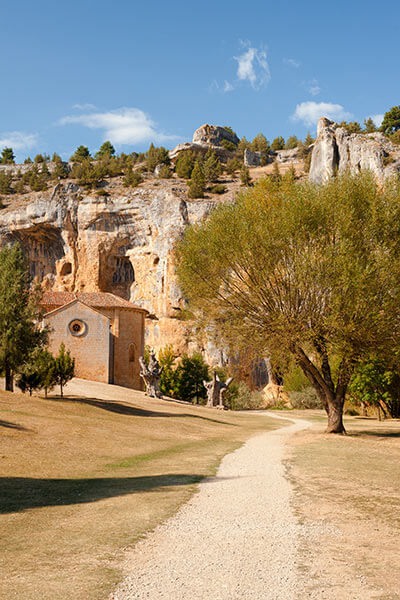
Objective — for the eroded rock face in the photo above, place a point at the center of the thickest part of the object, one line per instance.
(337, 150)
(201, 149)
(121, 244)
(212, 135)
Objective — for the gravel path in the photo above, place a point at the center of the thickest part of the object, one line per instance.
(235, 539)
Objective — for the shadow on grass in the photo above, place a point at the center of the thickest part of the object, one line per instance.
(130, 410)
(10, 425)
(21, 493)
(388, 433)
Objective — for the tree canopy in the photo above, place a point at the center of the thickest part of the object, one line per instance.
(391, 120)
(302, 270)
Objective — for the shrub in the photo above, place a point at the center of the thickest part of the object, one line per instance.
(245, 177)
(218, 188)
(278, 143)
(39, 158)
(212, 166)
(387, 160)
(132, 178)
(228, 145)
(105, 150)
(306, 398)
(233, 165)
(165, 172)
(197, 183)
(7, 156)
(156, 156)
(239, 397)
(185, 164)
(291, 142)
(190, 374)
(102, 193)
(5, 182)
(260, 144)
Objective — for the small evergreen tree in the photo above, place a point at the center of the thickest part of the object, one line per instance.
(165, 172)
(39, 158)
(28, 161)
(197, 183)
(168, 381)
(132, 178)
(291, 142)
(369, 125)
(29, 380)
(308, 140)
(19, 313)
(5, 182)
(391, 120)
(190, 374)
(245, 178)
(60, 170)
(64, 367)
(156, 156)
(278, 143)
(7, 156)
(185, 164)
(232, 166)
(260, 144)
(80, 154)
(106, 149)
(212, 166)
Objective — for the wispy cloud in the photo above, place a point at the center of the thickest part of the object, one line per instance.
(228, 87)
(291, 62)
(310, 112)
(18, 140)
(86, 106)
(313, 87)
(377, 119)
(253, 66)
(121, 126)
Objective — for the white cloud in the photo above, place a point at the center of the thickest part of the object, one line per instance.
(377, 119)
(253, 66)
(18, 140)
(291, 62)
(121, 126)
(228, 87)
(86, 106)
(314, 90)
(310, 112)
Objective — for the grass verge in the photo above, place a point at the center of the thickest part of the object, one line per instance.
(348, 487)
(83, 478)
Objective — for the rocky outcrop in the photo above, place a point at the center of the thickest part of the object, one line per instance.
(122, 243)
(212, 135)
(337, 150)
(202, 149)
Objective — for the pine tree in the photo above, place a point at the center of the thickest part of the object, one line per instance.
(106, 149)
(197, 183)
(291, 142)
(80, 154)
(260, 143)
(212, 166)
(278, 143)
(64, 367)
(369, 125)
(19, 313)
(7, 156)
(308, 140)
(245, 177)
(185, 164)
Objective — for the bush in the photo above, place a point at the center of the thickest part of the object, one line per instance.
(212, 167)
(190, 374)
(5, 183)
(185, 164)
(80, 154)
(197, 183)
(233, 165)
(239, 397)
(165, 172)
(218, 188)
(228, 145)
(245, 178)
(306, 398)
(156, 156)
(132, 178)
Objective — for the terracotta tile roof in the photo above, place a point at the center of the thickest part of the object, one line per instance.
(95, 299)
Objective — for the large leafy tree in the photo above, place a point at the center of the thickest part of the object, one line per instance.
(19, 313)
(301, 270)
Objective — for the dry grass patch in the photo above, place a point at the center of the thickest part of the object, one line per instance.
(349, 485)
(82, 479)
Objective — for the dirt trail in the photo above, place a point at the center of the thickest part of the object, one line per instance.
(236, 538)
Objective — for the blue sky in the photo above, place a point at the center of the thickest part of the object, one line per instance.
(135, 72)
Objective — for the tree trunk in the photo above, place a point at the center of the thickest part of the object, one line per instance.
(363, 409)
(9, 379)
(335, 415)
(61, 390)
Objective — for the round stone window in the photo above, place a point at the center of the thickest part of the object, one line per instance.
(77, 328)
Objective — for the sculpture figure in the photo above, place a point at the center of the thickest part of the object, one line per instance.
(151, 375)
(216, 390)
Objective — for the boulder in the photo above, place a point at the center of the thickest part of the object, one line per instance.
(223, 154)
(212, 135)
(336, 150)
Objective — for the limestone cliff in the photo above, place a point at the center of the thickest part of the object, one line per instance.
(337, 150)
(121, 243)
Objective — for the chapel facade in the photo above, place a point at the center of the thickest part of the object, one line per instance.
(104, 333)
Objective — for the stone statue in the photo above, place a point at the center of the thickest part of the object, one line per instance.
(151, 375)
(216, 390)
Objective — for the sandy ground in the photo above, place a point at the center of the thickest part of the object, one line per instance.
(236, 538)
